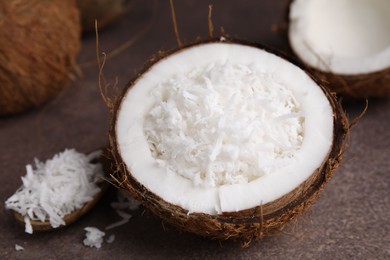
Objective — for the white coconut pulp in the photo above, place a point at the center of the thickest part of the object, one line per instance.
(341, 36)
(222, 127)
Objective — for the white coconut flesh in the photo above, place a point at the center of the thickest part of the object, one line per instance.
(223, 127)
(341, 36)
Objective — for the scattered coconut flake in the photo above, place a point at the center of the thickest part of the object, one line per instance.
(93, 237)
(123, 203)
(19, 248)
(110, 239)
(224, 124)
(125, 218)
(56, 187)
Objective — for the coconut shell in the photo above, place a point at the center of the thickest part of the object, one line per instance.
(39, 42)
(245, 225)
(359, 86)
(104, 11)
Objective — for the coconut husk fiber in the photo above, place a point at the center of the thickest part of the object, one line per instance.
(39, 42)
(359, 86)
(247, 225)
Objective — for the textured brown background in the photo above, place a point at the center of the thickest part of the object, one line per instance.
(350, 220)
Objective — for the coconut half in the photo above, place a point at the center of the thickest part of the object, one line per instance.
(347, 41)
(225, 139)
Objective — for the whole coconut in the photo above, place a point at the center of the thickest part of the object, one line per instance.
(39, 42)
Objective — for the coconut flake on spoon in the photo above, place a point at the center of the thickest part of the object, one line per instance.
(347, 41)
(226, 140)
(59, 191)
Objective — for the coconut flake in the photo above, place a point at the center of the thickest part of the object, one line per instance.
(125, 218)
(206, 125)
(56, 188)
(123, 203)
(94, 237)
(28, 228)
(110, 239)
(19, 247)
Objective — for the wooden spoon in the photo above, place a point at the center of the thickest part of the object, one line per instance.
(38, 225)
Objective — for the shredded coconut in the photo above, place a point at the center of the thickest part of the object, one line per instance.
(93, 237)
(125, 218)
(124, 203)
(19, 247)
(110, 239)
(224, 124)
(56, 187)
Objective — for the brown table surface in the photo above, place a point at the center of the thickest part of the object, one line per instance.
(350, 220)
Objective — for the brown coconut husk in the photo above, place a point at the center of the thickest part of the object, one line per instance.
(39, 42)
(359, 86)
(245, 225)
